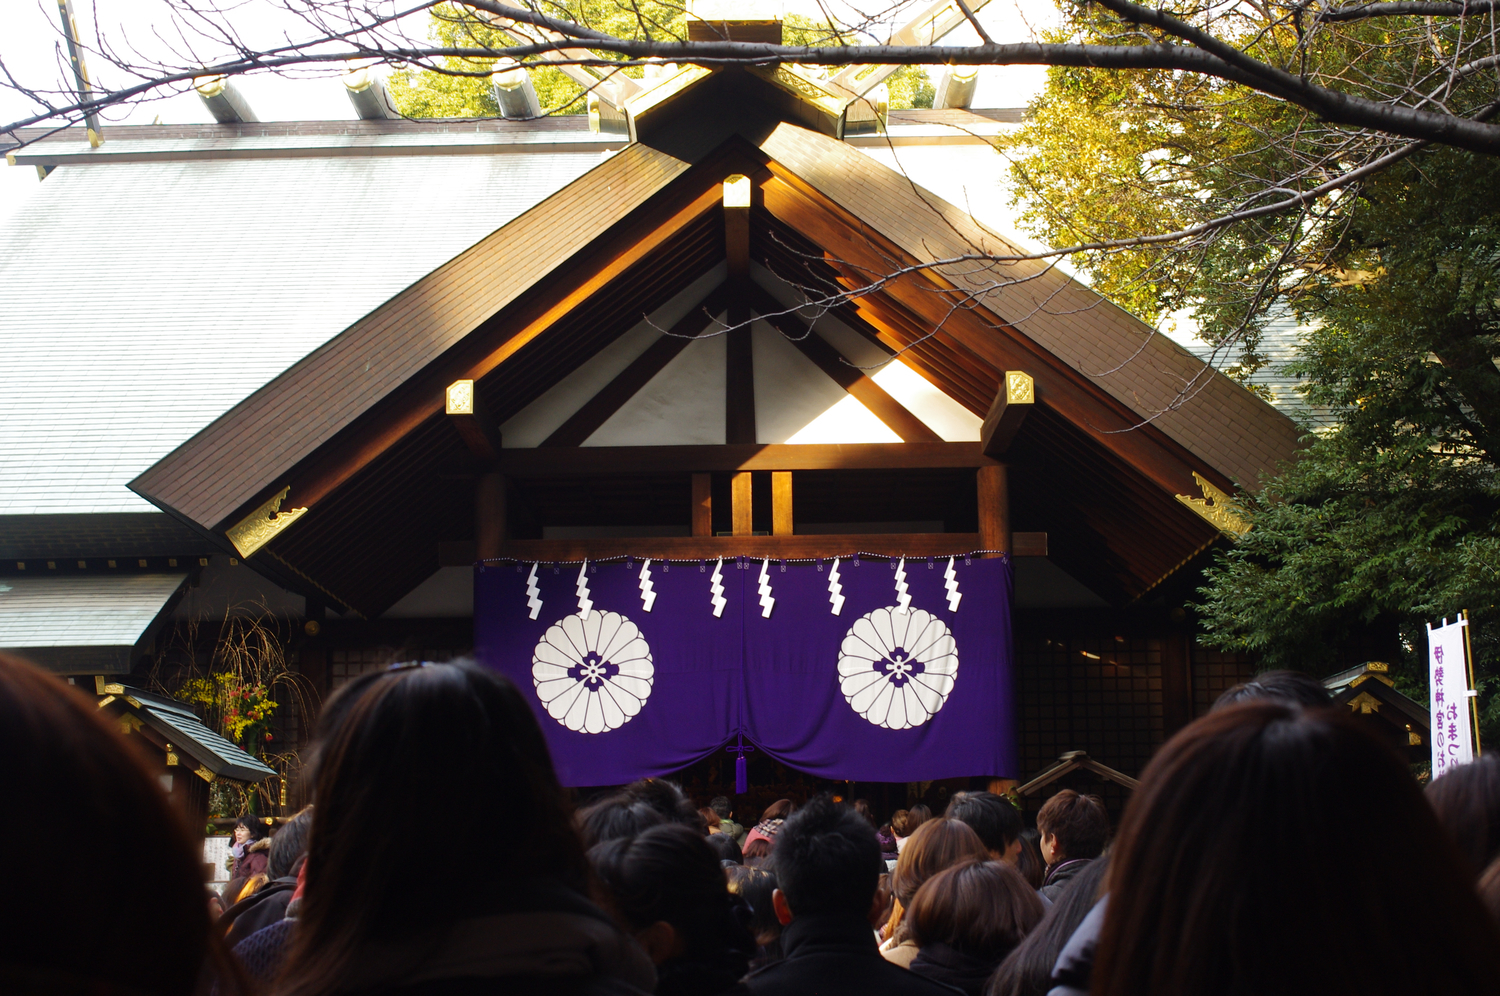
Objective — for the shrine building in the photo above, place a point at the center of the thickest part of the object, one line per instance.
(319, 370)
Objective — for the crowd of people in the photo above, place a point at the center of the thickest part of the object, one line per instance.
(1273, 847)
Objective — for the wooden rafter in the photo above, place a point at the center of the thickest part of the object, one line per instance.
(896, 416)
(598, 409)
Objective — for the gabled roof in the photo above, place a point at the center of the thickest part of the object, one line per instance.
(179, 726)
(82, 625)
(355, 431)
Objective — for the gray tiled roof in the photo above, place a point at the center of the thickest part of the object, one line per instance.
(81, 611)
(1280, 343)
(185, 731)
(140, 301)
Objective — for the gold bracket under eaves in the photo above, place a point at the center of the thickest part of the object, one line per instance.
(262, 525)
(1216, 508)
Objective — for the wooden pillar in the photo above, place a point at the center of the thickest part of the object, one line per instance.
(739, 372)
(1176, 681)
(740, 504)
(489, 515)
(781, 503)
(703, 505)
(994, 508)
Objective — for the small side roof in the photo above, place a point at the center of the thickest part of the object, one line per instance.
(180, 727)
(80, 624)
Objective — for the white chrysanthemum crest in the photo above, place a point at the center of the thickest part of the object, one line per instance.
(835, 590)
(593, 674)
(584, 602)
(950, 581)
(648, 596)
(716, 586)
(903, 600)
(533, 593)
(896, 669)
(766, 601)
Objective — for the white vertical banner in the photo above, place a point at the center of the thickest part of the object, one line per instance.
(1448, 675)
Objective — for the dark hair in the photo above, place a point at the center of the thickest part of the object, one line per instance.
(75, 773)
(1289, 687)
(255, 824)
(710, 818)
(720, 805)
(756, 850)
(828, 860)
(1467, 803)
(670, 873)
(726, 847)
(916, 816)
(1489, 889)
(938, 843)
(755, 885)
(461, 750)
(778, 810)
(862, 807)
(289, 844)
(1029, 862)
(997, 822)
(1281, 783)
(616, 816)
(1079, 822)
(1027, 971)
(982, 908)
(667, 798)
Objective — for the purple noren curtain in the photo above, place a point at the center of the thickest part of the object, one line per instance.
(893, 687)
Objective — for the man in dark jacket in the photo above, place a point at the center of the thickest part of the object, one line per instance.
(1074, 830)
(828, 869)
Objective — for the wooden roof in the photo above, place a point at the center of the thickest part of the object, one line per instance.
(356, 430)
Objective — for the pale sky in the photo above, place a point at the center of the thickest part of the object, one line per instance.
(29, 38)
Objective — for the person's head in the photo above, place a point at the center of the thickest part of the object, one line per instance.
(995, 820)
(614, 816)
(778, 810)
(1288, 687)
(916, 816)
(981, 908)
(667, 798)
(721, 807)
(725, 846)
(668, 887)
(755, 851)
(1029, 858)
(899, 823)
(460, 749)
(248, 829)
(1467, 803)
(827, 863)
(75, 774)
(862, 807)
(937, 844)
(1027, 971)
(289, 845)
(710, 819)
(1072, 826)
(1220, 879)
(755, 887)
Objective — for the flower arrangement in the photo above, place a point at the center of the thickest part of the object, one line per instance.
(243, 709)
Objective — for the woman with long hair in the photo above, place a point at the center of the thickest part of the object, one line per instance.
(935, 845)
(967, 918)
(1264, 845)
(415, 762)
(1027, 971)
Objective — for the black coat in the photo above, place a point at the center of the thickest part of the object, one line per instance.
(956, 968)
(835, 956)
(258, 910)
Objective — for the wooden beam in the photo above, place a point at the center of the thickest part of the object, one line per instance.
(598, 409)
(467, 413)
(1176, 682)
(781, 503)
(1028, 544)
(713, 547)
(741, 504)
(703, 505)
(737, 226)
(1013, 402)
(896, 416)
(587, 461)
(994, 508)
(489, 516)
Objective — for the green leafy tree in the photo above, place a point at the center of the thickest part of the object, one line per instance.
(462, 88)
